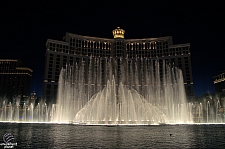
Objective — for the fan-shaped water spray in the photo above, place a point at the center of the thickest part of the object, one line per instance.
(122, 91)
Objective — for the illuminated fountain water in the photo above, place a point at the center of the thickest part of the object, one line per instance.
(137, 91)
(26, 112)
(118, 92)
(209, 109)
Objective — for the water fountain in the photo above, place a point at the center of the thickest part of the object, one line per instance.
(116, 91)
(137, 91)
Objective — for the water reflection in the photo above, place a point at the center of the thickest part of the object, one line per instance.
(71, 136)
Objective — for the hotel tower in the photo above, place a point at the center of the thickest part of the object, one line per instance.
(81, 49)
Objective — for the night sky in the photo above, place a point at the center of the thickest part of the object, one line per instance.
(25, 28)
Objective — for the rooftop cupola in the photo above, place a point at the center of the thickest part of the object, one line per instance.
(118, 33)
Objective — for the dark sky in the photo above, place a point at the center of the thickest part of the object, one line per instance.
(26, 26)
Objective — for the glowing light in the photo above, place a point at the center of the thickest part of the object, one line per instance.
(118, 33)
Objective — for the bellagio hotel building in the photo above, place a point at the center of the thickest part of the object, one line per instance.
(76, 48)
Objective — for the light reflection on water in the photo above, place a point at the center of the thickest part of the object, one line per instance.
(73, 136)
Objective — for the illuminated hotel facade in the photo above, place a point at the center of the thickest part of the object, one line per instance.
(15, 80)
(77, 49)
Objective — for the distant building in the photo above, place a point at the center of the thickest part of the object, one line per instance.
(14, 79)
(78, 49)
(219, 82)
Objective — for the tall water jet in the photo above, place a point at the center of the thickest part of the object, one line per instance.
(10, 112)
(24, 112)
(32, 112)
(3, 115)
(17, 111)
(218, 106)
(200, 112)
(208, 108)
(121, 91)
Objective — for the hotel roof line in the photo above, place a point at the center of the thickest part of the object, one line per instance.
(158, 38)
(24, 68)
(9, 60)
(57, 41)
(106, 39)
(67, 43)
(179, 45)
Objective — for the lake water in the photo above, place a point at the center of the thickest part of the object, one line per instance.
(74, 136)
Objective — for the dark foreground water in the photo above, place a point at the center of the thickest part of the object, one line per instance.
(63, 136)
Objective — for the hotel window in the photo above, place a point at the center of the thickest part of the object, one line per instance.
(100, 45)
(77, 60)
(50, 65)
(187, 70)
(78, 43)
(163, 45)
(51, 57)
(188, 78)
(53, 47)
(127, 47)
(159, 46)
(137, 46)
(118, 45)
(64, 60)
(71, 60)
(152, 45)
(186, 50)
(172, 61)
(83, 43)
(96, 45)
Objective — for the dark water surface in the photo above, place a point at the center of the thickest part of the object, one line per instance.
(63, 136)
